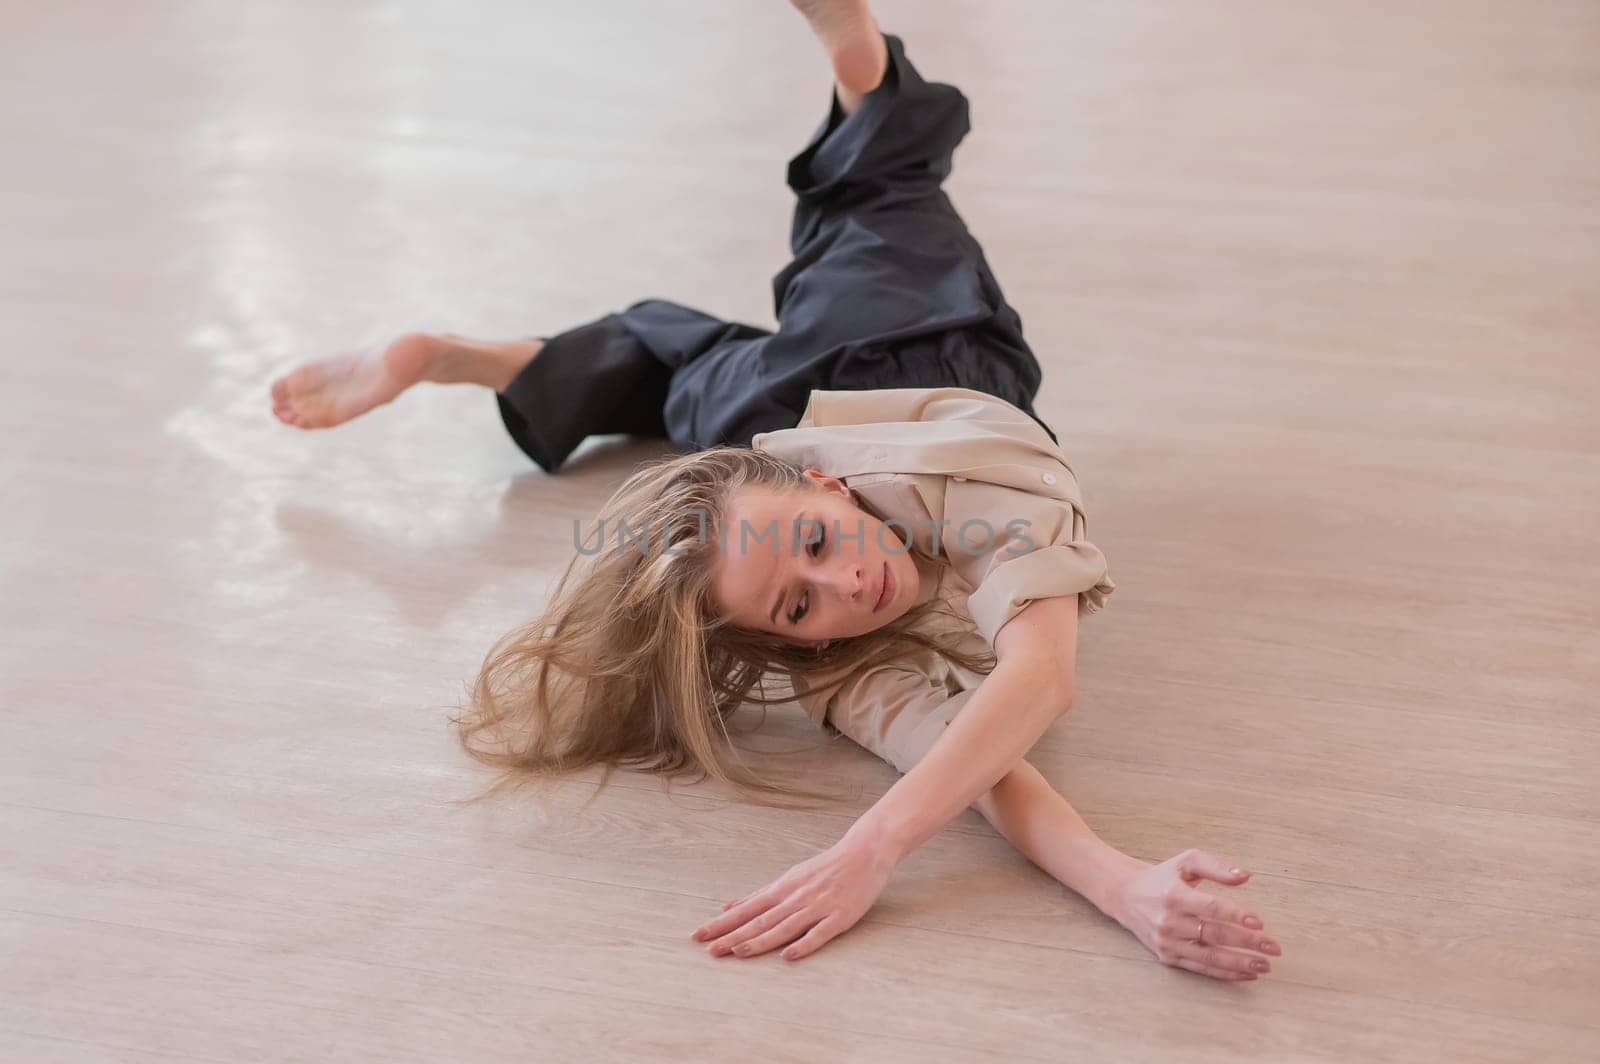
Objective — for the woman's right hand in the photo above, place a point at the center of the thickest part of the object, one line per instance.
(1161, 907)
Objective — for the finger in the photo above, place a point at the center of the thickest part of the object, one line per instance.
(1236, 937)
(1219, 933)
(787, 931)
(1231, 960)
(1215, 973)
(813, 940)
(1198, 864)
(760, 924)
(755, 904)
(1211, 907)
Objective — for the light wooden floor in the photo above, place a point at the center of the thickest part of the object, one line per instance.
(1315, 286)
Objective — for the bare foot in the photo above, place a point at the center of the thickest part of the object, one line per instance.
(331, 391)
(852, 39)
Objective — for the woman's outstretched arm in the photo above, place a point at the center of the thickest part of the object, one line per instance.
(978, 760)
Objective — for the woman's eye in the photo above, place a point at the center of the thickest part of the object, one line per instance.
(795, 617)
(816, 548)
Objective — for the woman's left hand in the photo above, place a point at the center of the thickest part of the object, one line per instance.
(1189, 928)
(814, 901)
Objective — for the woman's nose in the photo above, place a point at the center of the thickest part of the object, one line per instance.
(848, 580)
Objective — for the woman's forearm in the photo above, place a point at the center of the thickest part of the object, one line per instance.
(999, 724)
(1035, 818)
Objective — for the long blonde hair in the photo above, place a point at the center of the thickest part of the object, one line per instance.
(629, 664)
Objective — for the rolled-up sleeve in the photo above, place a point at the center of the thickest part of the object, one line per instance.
(1013, 546)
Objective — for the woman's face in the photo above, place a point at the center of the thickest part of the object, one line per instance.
(811, 565)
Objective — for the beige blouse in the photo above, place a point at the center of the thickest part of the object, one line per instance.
(969, 478)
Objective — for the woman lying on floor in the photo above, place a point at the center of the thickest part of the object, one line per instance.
(865, 505)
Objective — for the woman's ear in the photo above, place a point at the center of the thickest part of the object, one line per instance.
(827, 483)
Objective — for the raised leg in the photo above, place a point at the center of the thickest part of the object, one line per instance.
(887, 288)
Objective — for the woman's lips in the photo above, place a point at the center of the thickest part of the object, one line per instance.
(886, 590)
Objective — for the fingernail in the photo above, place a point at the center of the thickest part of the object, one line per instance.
(1236, 871)
(1261, 966)
(788, 954)
(742, 950)
(1253, 922)
(1270, 947)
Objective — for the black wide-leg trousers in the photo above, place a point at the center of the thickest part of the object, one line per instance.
(887, 289)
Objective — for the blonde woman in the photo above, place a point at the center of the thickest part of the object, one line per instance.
(865, 508)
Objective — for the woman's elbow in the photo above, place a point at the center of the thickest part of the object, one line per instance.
(1059, 695)
(1053, 682)
(1046, 684)
(1054, 679)
(1051, 687)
